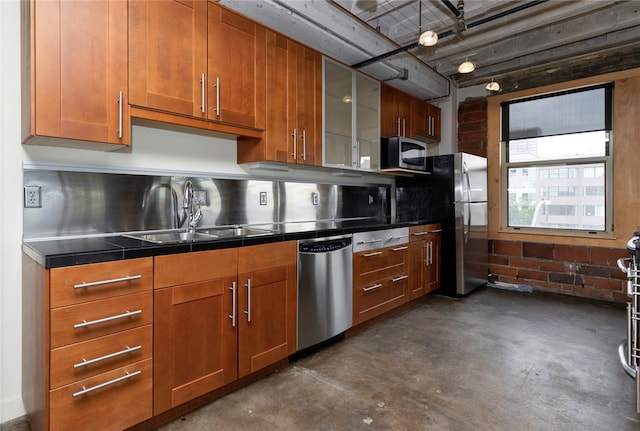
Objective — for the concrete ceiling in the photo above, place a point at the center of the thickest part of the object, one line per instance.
(520, 44)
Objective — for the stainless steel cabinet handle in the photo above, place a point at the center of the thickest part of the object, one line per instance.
(402, 277)
(102, 282)
(400, 248)
(107, 319)
(430, 253)
(375, 253)
(233, 304)
(120, 108)
(127, 376)
(404, 127)
(369, 241)
(248, 312)
(436, 231)
(304, 144)
(375, 286)
(421, 233)
(391, 238)
(218, 109)
(398, 126)
(295, 144)
(203, 86)
(86, 362)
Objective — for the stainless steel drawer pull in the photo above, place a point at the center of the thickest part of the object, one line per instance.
(375, 253)
(436, 231)
(421, 233)
(101, 282)
(107, 319)
(375, 286)
(86, 362)
(400, 248)
(391, 238)
(85, 390)
(402, 277)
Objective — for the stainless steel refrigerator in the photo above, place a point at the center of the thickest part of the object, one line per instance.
(454, 194)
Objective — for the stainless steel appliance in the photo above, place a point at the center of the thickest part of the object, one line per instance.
(404, 153)
(629, 348)
(325, 289)
(455, 195)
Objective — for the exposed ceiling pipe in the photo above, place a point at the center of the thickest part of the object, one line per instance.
(451, 7)
(447, 33)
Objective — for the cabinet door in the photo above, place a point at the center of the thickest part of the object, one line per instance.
(194, 341)
(168, 55)
(80, 71)
(433, 279)
(234, 64)
(367, 121)
(308, 106)
(395, 113)
(433, 118)
(267, 305)
(338, 118)
(417, 268)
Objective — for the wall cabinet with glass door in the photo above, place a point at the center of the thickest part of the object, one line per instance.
(351, 118)
(78, 68)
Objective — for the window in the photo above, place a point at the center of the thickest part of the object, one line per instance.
(558, 168)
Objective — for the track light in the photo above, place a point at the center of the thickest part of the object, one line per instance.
(466, 67)
(428, 38)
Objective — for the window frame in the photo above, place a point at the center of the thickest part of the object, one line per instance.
(606, 160)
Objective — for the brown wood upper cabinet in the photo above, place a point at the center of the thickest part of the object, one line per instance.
(405, 115)
(293, 112)
(194, 58)
(78, 71)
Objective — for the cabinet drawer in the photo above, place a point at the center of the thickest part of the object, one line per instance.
(417, 233)
(114, 400)
(75, 284)
(372, 265)
(370, 300)
(82, 322)
(89, 358)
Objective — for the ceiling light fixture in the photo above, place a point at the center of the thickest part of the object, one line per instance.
(347, 98)
(493, 86)
(428, 38)
(466, 67)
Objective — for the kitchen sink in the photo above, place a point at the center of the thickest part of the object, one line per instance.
(173, 237)
(200, 235)
(226, 232)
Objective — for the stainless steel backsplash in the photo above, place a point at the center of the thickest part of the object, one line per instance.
(88, 203)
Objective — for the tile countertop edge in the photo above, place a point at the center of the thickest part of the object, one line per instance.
(112, 248)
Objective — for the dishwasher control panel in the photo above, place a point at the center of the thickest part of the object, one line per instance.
(324, 246)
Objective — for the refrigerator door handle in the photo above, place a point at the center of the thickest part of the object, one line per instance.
(465, 174)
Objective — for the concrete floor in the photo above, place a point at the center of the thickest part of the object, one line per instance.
(496, 360)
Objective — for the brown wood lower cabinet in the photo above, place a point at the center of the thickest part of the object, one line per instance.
(380, 278)
(215, 325)
(424, 260)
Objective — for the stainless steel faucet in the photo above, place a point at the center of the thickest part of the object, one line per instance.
(191, 207)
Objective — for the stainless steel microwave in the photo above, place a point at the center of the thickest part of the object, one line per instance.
(403, 153)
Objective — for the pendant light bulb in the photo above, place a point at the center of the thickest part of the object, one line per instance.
(466, 67)
(493, 86)
(428, 38)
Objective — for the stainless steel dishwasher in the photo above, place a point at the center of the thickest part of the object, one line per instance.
(325, 292)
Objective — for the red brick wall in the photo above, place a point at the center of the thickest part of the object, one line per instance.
(574, 270)
(472, 126)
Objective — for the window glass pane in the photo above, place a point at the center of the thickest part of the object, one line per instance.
(592, 144)
(576, 112)
(560, 196)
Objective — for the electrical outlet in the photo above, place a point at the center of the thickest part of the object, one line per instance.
(314, 198)
(32, 197)
(263, 198)
(201, 197)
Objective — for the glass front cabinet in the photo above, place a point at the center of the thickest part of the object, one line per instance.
(351, 122)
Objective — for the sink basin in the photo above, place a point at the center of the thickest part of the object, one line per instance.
(226, 232)
(173, 237)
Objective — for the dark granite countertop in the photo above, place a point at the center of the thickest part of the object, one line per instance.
(77, 251)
